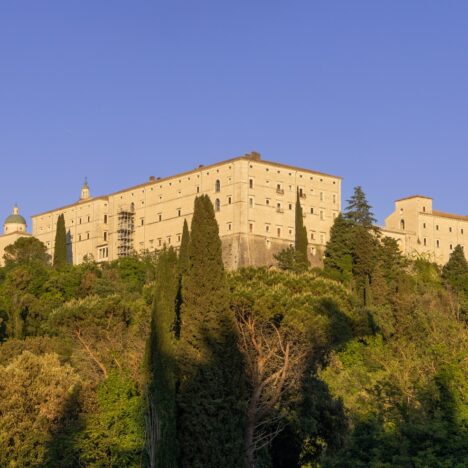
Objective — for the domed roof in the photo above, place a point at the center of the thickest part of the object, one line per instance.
(15, 218)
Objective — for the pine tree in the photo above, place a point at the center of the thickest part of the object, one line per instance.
(455, 273)
(60, 251)
(338, 259)
(210, 419)
(359, 211)
(161, 430)
(301, 236)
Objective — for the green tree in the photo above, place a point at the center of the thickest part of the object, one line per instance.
(26, 250)
(338, 258)
(358, 210)
(456, 267)
(300, 236)
(184, 258)
(161, 430)
(210, 422)
(60, 249)
(34, 395)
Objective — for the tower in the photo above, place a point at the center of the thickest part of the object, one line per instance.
(85, 190)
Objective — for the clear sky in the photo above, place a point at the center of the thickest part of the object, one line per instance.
(374, 91)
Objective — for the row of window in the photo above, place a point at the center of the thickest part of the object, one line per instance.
(437, 228)
(438, 243)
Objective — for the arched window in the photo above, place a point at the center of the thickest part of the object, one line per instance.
(217, 205)
(402, 224)
(217, 186)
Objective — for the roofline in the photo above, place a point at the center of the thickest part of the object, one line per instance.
(91, 199)
(413, 196)
(254, 157)
(443, 214)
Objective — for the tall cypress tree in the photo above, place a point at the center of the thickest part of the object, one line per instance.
(338, 259)
(161, 444)
(184, 249)
(301, 236)
(60, 251)
(210, 417)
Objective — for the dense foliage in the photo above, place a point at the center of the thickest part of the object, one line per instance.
(166, 360)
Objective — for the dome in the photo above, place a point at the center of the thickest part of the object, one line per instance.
(15, 219)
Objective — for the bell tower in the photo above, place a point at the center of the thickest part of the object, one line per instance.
(85, 190)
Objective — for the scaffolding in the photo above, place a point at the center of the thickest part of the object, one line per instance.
(125, 231)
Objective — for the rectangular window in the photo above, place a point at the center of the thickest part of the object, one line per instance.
(142, 221)
(229, 227)
(267, 228)
(425, 241)
(105, 219)
(278, 232)
(321, 215)
(251, 202)
(105, 235)
(437, 244)
(251, 183)
(160, 217)
(250, 227)
(179, 211)
(321, 196)
(229, 200)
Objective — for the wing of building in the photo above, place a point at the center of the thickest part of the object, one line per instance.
(423, 231)
(254, 202)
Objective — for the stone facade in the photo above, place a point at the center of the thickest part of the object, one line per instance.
(425, 232)
(254, 202)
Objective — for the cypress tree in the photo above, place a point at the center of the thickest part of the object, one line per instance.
(161, 444)
(301, 236)
(60, 251)
(210, 417)
(338, 259)
(184, 250)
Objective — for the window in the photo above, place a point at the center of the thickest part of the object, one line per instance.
(267, 202)
(229, 226)
(321, 196)
(79, 220)
(402, 224)
(105, 236)
(250, 227)
(159, 217)
(437, 244)
(142, 221)
(450, 229)
(311, 211)
(103, 253)
(424, 209)
(132, 206)
(198, 189)
(179, 211)
(267, 228)
(424, 225)
(89, 219)
(251, 183)
(251, 202)
(461, 232)
(229, 200)
(425, 241)
(105, 219)
(437, 227)
(312, 236)
(334, 198)
(159, 242)
(87, 235)
(217, 205)
(321, 215)
(451, 247)
(79, 237)
(290, 206)
(278, 232)
(217, 186)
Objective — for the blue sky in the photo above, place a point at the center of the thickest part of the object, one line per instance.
(374, 91)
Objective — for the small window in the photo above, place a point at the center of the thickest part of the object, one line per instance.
(105, 219)
(217, 185)
(105, 236)
(89, 219)
(278, 232)
(87, 235)
(425, 241)
(402, 224)
(311, 211)
(142, 221)
(159, 217)
(198, 189)
(424, 225)
(229, 200)
(321, 196)
(334, 198)
(290, 206)
(451, 247)
(251, 202)
(461, 232)
(251, 183)
(450, 229)
(217, 204)
(229, 226)
(437, 227)
(179, 212)
(267, 228)
(267, 202)
(321, 215)
(424, 209)
(250, 227)
(437, 244)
